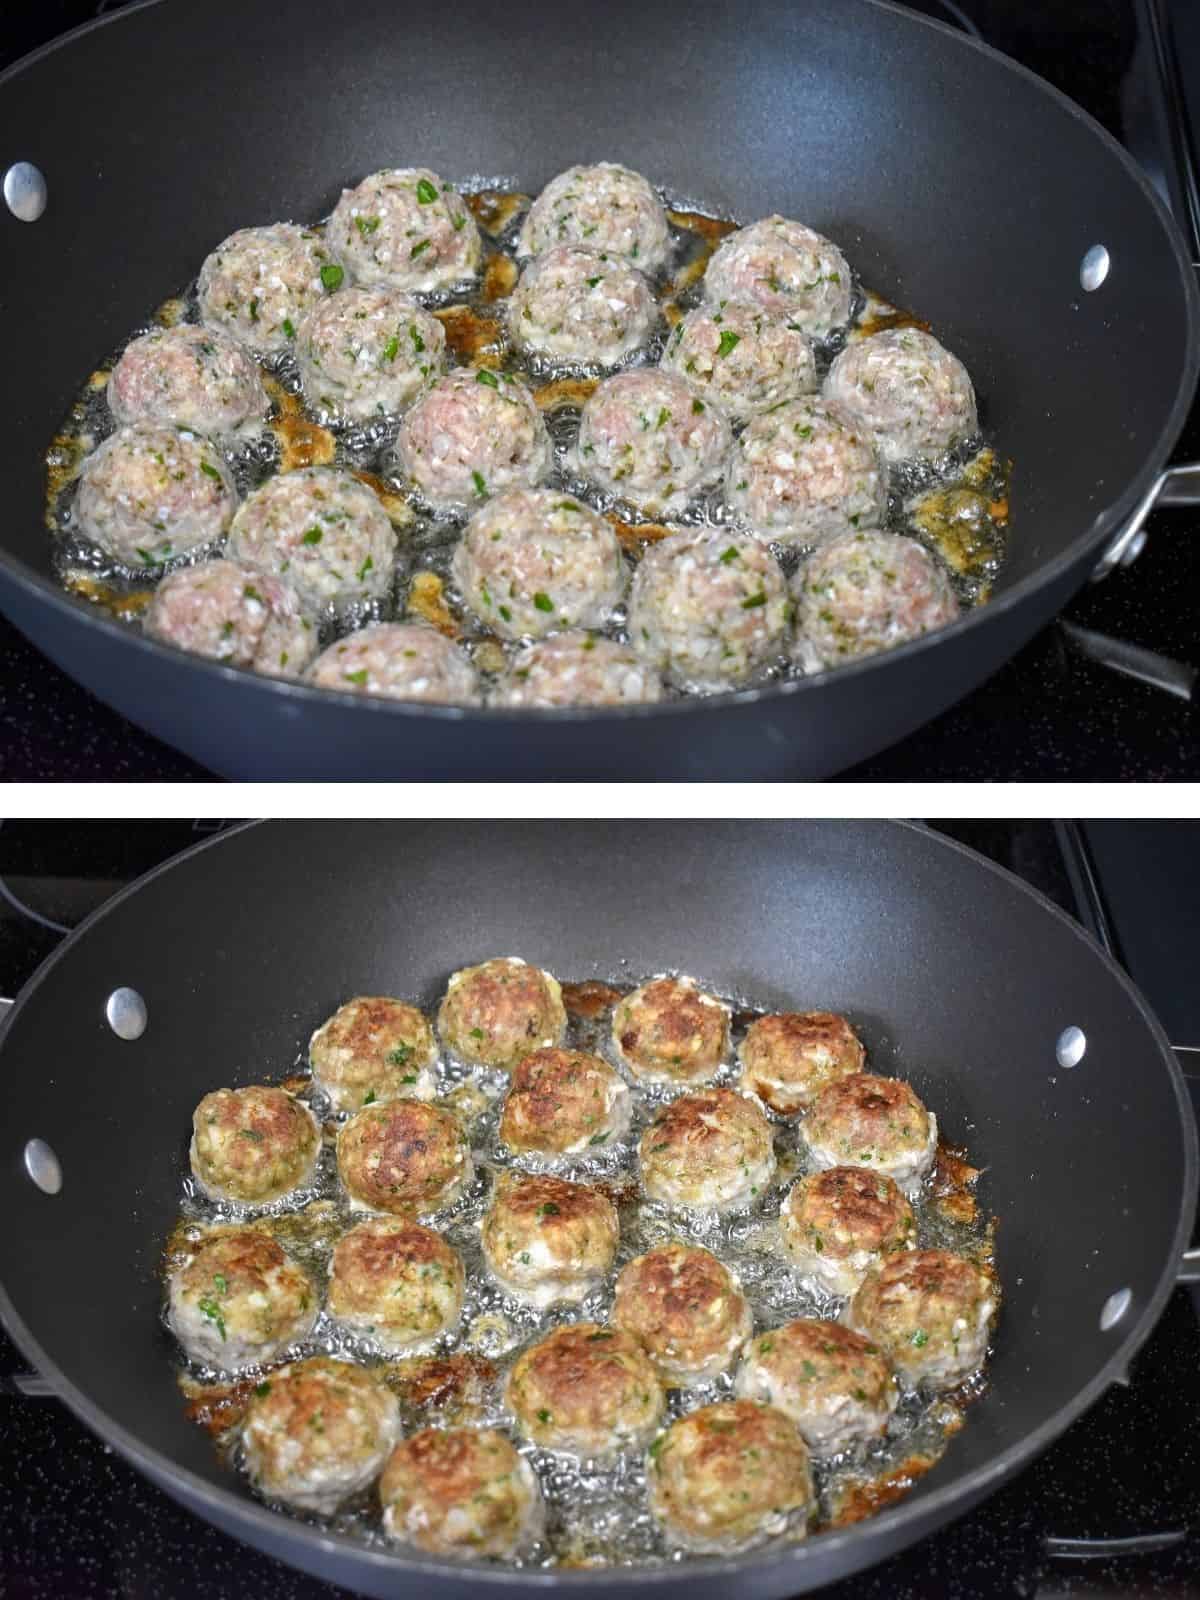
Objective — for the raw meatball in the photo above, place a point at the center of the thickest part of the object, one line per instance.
(711, 1149)
(533, 561)
(647, 436)
(582, 306)
(547, 1241)
(188, 377)
(685, 1309)
(367, 353)
(671, 1031)
(729, 1476)
(605, 207)
(461, 1491)
(317, 1432)
(151, 493)
(709, 608)
(741, 358)
(838, 1224)
(238, 1301)
(834, 1384)
(400, 660)
(253, 1145)
(322, 530)
(564, 1102)
(904, 391)
(403, 1157)
(788, 1058)
(406, 229)
(495, 1014)
(373, 1048)
(472, 435)
(931, 1312)
(398, 1282)
(577, 669)
(786, 269)
(585, 1389)
(867, 592)
(259, 283)
(865, 1121)
(235, 615)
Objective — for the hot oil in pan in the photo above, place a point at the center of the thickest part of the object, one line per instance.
(595, 1514)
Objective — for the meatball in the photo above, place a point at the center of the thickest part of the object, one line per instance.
(259, 283)
(788, 1058)
(729, 1476)
(547, 1241)
(405, 229)
(564, 1102)
(236, 615)
(786, 269)
(647, 437)
(398, 1282)
(581, 306)
(323, 531)
(577, 669)
(905, 392)
(495, 1014)
(400, 660)
(253, 1145)
(742, 358)
(709, 608)
(685, 1309)
(238, 1301)
(461, 1491)
(367, 353)
(473, 434)
(931, 1312)
(587, 1390)
(150, 493)
(188, 377)
(866, 592)
(606, 207)
(839, 1223)
(533, 561)
(404, 1156)
(671, 1031)
(317, 1432)
(834, 1384)
(373, 1048)
(711, 1149)
(865, 1121)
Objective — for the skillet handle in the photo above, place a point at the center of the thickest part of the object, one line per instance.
(1177, 486)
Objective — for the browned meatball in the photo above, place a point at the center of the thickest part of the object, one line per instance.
(671, 1031)
(396, 1281)
(788, 1058)
(253, 1145)
(403, 1157)
(931, 1312)
(239, 1300)
(546, 1240)
(835, 1385)
(586, 1389)
(564, 1102)
(838, 1223)
(866, 1121)
(373, 1048)
(710, 1149)
(461, 1491)
(493, 1015)
(685, 1309)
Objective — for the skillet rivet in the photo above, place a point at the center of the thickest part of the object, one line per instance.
(25, 191)
(1072, 1042)
(1093, 269)
(42, 1166)
(126, 1013)
(1114, 1308)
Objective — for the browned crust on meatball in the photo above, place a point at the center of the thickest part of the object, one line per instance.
(486, 1003)
(550, 1097)
(934, 1277)
(445, 1462)
(668, 1027)
(262, 1120)
(788, 1046)
(666, 1293)
(848, 1209)
(369, 1254)
(401, 1133)
(536, 1200)
(296, 1396)
(864, 1105)
(582, 1374)
(830, 1341)
(244, 1257)
(686, 1123)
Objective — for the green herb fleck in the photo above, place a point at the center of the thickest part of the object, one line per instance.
(209, 470)
(480, 482)
(370, 1099)
(211, 1310)
(490, 378)
(543, 601)
(262, 1390)
(359, 677)
(332, 276)
(365, 568)
(391, 349)
(755, 600)
(426, 193)
(366, 225)
(415, 335)
(288, 328)
(729, 342)
(697, 407)
(423, 244)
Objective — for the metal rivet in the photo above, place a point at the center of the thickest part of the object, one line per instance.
(42, 1166)
(25, 191)
(1072, 1042)
(1093, 269)
(126, 1013)
(1114, 1308)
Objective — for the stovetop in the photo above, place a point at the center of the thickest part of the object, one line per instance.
(1048, 714)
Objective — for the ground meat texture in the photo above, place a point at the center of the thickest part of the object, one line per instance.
(742, 358)
(236, 615)
(786, 269)
(581, 306)
(534, 561)
(474, 434)
(648, 437)
(839, 1223)
(253, 1145)
(323, 531)
(866, 592)
(710, 1150)
(904, 391)
(789, 1057)
(585, 1390)
(577, 669)
(729, 1476)
(238, 1300)
(188, 377)
(685, 1309)
(563, 1103)
(461, 1491)
(547, 1241)
(373, 1049)
(260, 282)
(151, 493)
(366, 353)
(403, 1157)
(405, 229)
(317, 1432)
(606, 207)
(709, 608)
(495, 1014)
(399, 1283)
(671, 1031)
(401, 661)
(930, 1312)
(866, 1121)
(835, 1385)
